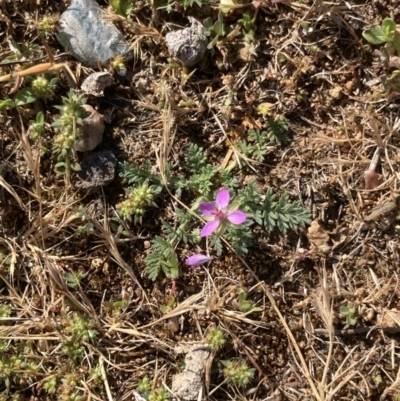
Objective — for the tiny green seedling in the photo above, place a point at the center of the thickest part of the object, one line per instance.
(246, 305)
(122, 7)
(215, 337)
(349, 311)
(216, 29)
(387, 33)
(247, 21)
(237, 372)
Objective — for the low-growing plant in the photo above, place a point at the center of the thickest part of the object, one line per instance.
(237, 372)
(159, 394)
(349, 311)
(122, 7)
(386, 33)
(247, 305)
(232, 219)
(138, 199)
(215, 337)
(37, 125)
(162, 259)
(68, 124)
(216, 29)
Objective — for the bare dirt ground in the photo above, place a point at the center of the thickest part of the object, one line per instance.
(82, 317)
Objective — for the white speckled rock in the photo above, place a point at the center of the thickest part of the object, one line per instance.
(88, 36)
(188, 45)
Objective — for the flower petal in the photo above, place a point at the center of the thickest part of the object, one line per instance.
(237, 217)
(222, 199)
(209, 228)
(207, 208)
(197, 259)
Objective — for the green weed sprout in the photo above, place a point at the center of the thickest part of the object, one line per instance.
(387, 33)
(215, 29)
(137, 201)
(72, 113)
(144, 386)
(349, 311)
(159, 394)
(43, 87)
(246, 305)
(37, 125)
(163, 258)
(215, 337)
(50, 385)
(237, 372)
(122, 7)
(48, 25)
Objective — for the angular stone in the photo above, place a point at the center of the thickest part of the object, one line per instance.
(89, 37)
(95, 83)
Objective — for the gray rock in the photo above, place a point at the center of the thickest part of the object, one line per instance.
(187, 385)
(188, 45)
(95, 83)
(88, 36)
(97, 170)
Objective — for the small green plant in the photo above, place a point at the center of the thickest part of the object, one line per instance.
(50, 385)
(349, 311)
(73, 279)
(237, 372)
(47, 25)
(387, 33)
(122, 7)
(162, 258)
(37, 125)
(79, 330)
(216, 29)
(247, 21)
(43, 87)
(215, 337)
(72, 113)
(159, 394)
(281, 214)
(247, 305)
(144, 386)
(138, 199)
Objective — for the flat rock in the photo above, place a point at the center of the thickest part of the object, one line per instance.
(97, 170)
(89, 37)
(187, 385)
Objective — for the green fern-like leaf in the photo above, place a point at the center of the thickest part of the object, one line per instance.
(215, 242)
(133, 174)
(195, 158)
(163, 258)
(282, 214)
(240, 238)
(278, 130)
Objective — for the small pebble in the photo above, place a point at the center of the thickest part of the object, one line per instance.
(92, 130)
(95, 83)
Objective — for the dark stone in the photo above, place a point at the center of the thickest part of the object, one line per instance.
(97, 170)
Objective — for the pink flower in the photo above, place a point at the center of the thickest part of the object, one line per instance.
(197, 259)
(219, 214)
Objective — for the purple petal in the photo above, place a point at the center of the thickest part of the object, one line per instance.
(209, 228)
(197, 259)
(207, 208)
(222, 199)
(237, 217)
